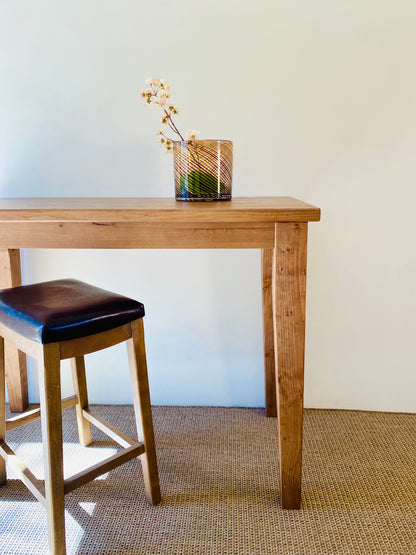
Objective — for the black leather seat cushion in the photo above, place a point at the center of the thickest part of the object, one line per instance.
(64, 309)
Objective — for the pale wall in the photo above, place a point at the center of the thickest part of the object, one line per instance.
(319, 99)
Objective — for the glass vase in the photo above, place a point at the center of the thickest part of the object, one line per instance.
(203, 169)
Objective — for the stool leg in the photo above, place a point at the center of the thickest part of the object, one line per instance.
(141, 400)
(51, 418)
(80, 387)
(3, 476)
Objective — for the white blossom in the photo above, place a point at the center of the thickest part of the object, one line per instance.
(158, 93)
(192, 134)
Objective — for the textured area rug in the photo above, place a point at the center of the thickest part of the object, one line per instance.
(219, 478)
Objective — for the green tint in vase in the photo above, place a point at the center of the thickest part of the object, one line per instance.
(203, 169)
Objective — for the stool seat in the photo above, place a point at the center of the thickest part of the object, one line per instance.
(64, 309)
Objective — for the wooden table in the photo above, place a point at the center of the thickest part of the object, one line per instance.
(276, 225)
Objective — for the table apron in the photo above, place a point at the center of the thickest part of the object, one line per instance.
(135, 235)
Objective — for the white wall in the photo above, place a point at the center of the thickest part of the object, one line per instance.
(319, 99)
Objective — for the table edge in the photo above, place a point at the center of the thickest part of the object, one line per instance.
(239, 209)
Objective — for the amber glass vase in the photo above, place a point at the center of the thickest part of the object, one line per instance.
(203, 169)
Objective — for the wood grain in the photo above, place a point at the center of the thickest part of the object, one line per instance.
(34, 414)
(268, 333)
(134, 235)
(89, 344)
(101, 467)
(141, 400)
(107, 428)
(79, 381)
(157, 210)
(16, 372)
(35, 486)
(289, 282)
(31, 348)
(51, 419)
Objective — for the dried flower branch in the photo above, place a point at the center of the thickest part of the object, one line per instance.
(158, 93)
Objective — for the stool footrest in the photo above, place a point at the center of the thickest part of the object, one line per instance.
(34, 414)
(104, 466)
(112, 432)
(35, 486)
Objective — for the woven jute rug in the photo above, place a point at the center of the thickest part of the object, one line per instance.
(219, 478)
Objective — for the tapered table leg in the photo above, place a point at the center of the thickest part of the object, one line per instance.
(268, 333)
(289, 296)
(16, 373)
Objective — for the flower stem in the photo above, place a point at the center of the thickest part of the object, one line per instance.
(172, 125)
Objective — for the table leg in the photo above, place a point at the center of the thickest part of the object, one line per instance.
(16, 374)
(289, 296)
(268, 333)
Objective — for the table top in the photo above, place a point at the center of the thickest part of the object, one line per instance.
(105, 209)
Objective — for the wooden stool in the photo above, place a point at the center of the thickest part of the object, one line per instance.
(62, 319)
